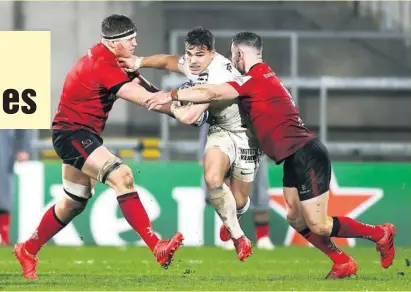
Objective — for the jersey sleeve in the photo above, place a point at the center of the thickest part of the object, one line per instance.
(244, 84)
(223, 73)
(112, 77)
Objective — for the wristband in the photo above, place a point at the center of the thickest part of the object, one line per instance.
(174, 94)
(136, 66)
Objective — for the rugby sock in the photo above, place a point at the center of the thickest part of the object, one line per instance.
(223, 202)
(4, 227)
(244, 209)
(135, 214)
(326, 245)
(347, 227)
(261, 230)
(49, 226)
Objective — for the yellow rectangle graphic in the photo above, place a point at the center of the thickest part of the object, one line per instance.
(25, 86)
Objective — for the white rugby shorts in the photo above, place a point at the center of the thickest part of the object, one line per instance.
(241, 148)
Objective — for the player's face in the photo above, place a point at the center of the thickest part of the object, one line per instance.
(237, 59)
(198, 58)
(125, 48)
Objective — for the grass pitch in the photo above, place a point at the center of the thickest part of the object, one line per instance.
(205, 268)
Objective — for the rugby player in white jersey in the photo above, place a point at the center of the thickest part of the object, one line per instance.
(231, 144)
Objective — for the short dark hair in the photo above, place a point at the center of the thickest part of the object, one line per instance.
(200, 36)
(249, 39)
(116, 24)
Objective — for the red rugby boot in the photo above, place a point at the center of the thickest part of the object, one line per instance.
(27, 261)
(386, 245)
(165, 249)
(341, 271)
(243, 247)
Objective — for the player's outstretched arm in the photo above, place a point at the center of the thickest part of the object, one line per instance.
(160, 61)
(205, 93)
(197, 94)
(134, 92)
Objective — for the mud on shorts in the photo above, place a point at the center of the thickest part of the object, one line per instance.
(74, 147)
(308, 170)
(242, 150)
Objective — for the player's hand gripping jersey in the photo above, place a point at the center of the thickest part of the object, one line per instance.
(232, 132)
(227, 114)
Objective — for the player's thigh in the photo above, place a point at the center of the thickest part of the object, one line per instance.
(219, 155)
(76, 147)
(315, 212)
(312, 166)
(295, 214)
(83, 150)
(292, 202)
(246, 157)
(244, 167)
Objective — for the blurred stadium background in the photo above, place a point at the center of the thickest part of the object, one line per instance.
(348, 65)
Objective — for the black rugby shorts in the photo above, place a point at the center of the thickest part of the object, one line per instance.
(308, 170)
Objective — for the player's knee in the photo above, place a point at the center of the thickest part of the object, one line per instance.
(296, 221)
(77, 196)
(213, 179)
(241, 209)
(71, 207)
(242, 203)
(108, 173)
(320, 226)
(122, 179)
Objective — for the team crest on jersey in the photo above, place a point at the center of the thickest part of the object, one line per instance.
(203, 78)
(229, 67)
(86, 143)
(187, 84)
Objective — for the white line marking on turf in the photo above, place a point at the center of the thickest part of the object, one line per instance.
(194, 261)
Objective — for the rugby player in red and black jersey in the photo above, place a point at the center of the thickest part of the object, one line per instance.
(90, 89)
(284, 138)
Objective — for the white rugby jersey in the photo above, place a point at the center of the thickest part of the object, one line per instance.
(226, 113)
